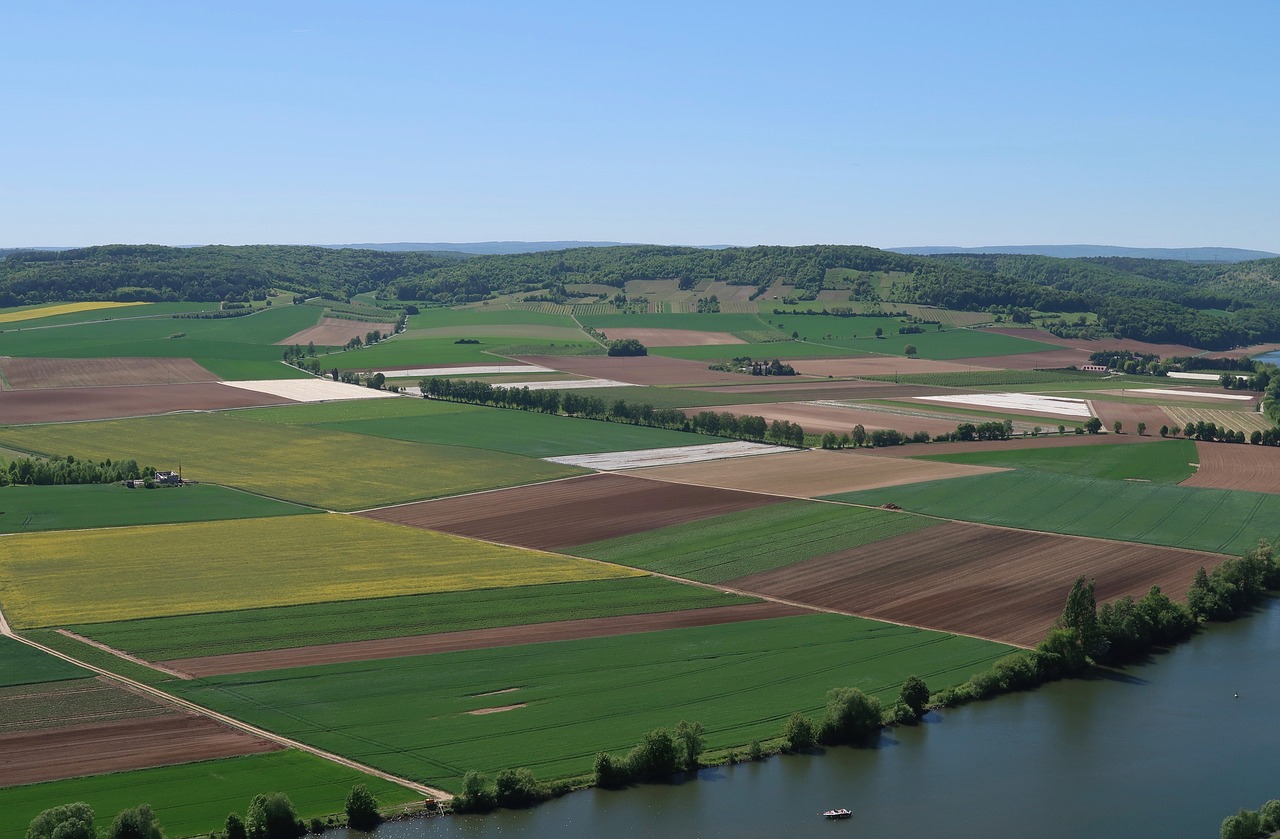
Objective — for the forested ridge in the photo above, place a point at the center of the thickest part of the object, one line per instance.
(1153, 300)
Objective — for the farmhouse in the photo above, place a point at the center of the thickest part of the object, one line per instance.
(166, 479)
(1094, 368)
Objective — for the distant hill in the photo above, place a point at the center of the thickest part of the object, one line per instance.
(1078, 251)
(477, 247)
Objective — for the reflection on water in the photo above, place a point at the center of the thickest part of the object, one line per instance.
(1162, 749)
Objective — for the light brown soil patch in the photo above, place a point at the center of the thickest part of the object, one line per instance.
(74, 751)
(819, 419)
(495, 692)
(1006, 585)
(1204, 396)
(1129, 415)
(642, 370)
(1163, 350)
(1047, 360)
(1047, 441)
(1242, 352)
(875, 365)
(572, 512)
(335, 332)
(478, 639)
(1237, 466)
(810, 474)
(673, 337)
(18, 407)
(807, 390)
(29, 373)
(498, 710)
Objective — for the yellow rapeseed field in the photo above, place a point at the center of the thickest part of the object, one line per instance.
(59, 309)
(88, 576)
(334, 470)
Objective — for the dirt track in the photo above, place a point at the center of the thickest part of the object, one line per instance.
(642, 370)
(478, 639)
(812, 473)
(50, 755)
(1236, 466)
(1006, 585)
(335, 332)
(29, 373)
(572, 512)
(86, 403)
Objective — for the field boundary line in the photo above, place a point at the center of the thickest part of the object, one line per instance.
(187, 705)
(464, 495)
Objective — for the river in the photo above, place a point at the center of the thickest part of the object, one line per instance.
(1164, 748)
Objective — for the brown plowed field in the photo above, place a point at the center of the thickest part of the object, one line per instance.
(571, 512)
(478, 639)
(807, 390)
(51, 755)
(819, 419)
(1129, 415)
(1047, 360)
(1045, 442)
(1006, 585)
(28, 373)
(1242, 352)
(874, 365)
(18, 407)
(642, 370)
(335, 332)
(674, 337)
(1097, 345)
(1226, 466)
(810, 474)
(1204, 396)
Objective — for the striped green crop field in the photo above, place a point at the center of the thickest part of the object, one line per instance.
(281, 627)
(23, 665)
(727, 547)
(416, 716)
(1166, 462)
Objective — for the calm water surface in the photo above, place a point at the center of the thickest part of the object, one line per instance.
(1163, 750)
(1268, 357)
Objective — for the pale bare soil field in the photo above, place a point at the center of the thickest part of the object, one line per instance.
(1237, 466)
(1232, 399)
(28, 373)
(335, 332)
(875, 366)
(812, 473)
(819, 419)
(18, 407)
(1098, 345)
(1242, 352)
(1129, 415)
(673, 337)
(1246, 421)
(641, 370)
(95, 749)
(573, 512)
(477, 639)
(1005, 585)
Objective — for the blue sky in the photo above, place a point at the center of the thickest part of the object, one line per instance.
(888, 124)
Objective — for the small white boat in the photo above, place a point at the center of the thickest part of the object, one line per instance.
(841, 813)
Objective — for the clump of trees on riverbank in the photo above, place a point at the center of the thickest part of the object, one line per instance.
(1250, 824)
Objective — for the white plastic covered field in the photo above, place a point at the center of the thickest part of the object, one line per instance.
(613, 461)
(1035, 402)
(565, 384)
(311, 390)
(1190, 394)
(467, 370)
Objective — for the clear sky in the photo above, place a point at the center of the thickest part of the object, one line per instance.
(887, 124)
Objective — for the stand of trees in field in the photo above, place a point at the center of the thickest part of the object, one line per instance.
(752, 428)
(39, 471)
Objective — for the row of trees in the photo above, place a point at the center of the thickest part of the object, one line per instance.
(69, 470)
(1251, 824)
(659, 755)
(753, 428)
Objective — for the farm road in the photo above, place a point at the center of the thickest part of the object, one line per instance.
(431, 792)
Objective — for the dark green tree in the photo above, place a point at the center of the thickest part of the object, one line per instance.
(138, 823)
(910, 351)
(914, 694)
(1093, 425)
(235, 828)
(1080, 615)
(851, 716)
(690, 738)
(655, 757)
(68, 821)
(517, 788)
(798, 733)
(362, 808)
(271, 816)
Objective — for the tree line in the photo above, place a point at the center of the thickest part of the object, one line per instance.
(59, 470)
(752, 428)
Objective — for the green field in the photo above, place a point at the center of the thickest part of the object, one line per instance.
(727, 547)
(23, 665)
(951, 343)
(194, 798)
(410, 715)
(522, 432)
(122, 573)
(773, 349)
(219, 633)
(1222, 521)
(707, 323)
(443, 318)
(1166, 462)
(321, 413)
(434, 352)
(28, 508)
(314, 466)
(144, 310)
(1001, 378)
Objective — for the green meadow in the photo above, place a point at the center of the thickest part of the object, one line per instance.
(248, 630)
(23, 665)
(413, 716)
(1166, 462)
(403, 351)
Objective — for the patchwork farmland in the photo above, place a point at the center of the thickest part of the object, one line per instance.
(423, 588)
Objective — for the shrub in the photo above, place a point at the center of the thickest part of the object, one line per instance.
(517, 788)
(138, 823)
(69, 821)
(272, 817)
(608, 773)
(362, 808)
(476, 796)
(235, 827)
(754, 752)
(914, 694)
(798, 733)
(655, 757)
(851, 716)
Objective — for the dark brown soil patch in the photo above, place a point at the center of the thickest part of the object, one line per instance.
(573, 512)
(335, 332)
(477, 639)
(54, 754)
(1006, 585)
(1227, 466)
(28, 373)
(18, 407)
(1129, 415)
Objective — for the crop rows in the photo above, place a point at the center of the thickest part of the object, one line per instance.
(982, 378)
(735, 545)
(72, 702)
